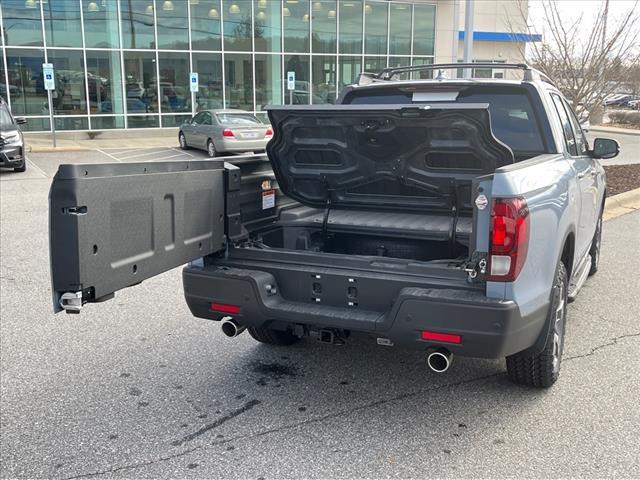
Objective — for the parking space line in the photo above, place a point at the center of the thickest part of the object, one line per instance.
(164, 158)
(108, 155)
(36, 167)
(160, 151)
(182, 151)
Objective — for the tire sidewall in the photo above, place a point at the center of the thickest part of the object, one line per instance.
(211, 149)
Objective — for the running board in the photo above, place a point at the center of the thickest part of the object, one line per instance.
(579, 279)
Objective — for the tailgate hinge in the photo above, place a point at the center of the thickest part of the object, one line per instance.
(71, 302)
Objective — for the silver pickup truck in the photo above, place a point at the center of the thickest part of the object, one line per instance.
(450, 216)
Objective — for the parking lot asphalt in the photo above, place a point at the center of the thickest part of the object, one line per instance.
(137, 387)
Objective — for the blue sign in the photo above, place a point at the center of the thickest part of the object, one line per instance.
(193, 81)
(49, 77)
(291, 80)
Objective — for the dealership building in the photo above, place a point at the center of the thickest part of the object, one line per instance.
(127, 63)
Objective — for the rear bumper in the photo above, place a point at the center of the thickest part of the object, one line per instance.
(489, 328)
(235, 145)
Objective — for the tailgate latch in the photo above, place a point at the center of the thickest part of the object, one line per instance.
(477, 265)
(71, 302)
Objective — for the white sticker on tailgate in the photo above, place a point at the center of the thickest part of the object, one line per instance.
(268, 199)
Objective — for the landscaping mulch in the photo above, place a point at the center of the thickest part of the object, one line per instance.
(622, 178)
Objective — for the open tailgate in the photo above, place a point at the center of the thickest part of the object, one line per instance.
(114, 225)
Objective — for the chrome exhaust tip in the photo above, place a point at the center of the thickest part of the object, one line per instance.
(231, 328)
(440, 360)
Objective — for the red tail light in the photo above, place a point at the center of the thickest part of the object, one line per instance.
(225, 308)
(228, 133)
(269, 133)
(509, 238)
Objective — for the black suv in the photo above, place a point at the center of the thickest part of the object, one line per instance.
(11, 140)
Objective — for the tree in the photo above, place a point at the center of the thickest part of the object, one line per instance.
(588, 60)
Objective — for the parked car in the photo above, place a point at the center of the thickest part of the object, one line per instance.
(11, 140)
(225, 131)
(448, 216)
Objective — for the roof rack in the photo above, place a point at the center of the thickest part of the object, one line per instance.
(530, 74)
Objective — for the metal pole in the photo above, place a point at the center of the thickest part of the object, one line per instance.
(468, 36)
(456, 35)
(53, 125)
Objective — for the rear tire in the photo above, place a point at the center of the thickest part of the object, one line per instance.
(272, 337)
(595, 247)
(542, 369)
(211, 149)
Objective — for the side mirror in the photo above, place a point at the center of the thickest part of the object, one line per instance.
(605, 148)
(20, 120)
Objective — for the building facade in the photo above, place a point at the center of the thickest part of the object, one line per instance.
(127, 63)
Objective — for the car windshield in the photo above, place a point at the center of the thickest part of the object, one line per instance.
(238, 119)
(512, 117)
(5, 119)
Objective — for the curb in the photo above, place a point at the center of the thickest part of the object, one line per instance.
(42, 149)
(623, 131)
(621, 204)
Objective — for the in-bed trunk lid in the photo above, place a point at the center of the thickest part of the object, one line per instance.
(396, 157)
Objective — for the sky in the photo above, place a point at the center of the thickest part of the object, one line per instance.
(589, 8)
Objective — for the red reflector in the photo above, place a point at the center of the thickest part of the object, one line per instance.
(228, 133)
(441, 337)
(224, 308)
(269, 132)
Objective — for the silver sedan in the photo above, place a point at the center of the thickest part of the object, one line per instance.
(225, 131)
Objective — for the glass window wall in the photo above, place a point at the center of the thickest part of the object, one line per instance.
(100, 24)
(173, 24)
(296, 26)
(239, 81)
(375, 28)
(351, 26)
(424, 29)
(26, 85)
(323, 74)
(374, 64)
(400, 29)
(106, 122)
(267, 25)
(300, 65)
(174, 95)
(237, 26)
(70, 95)
(205, 25)
(136, 73)
(324, 26)
(350, 68)
(209, 68)
(138, 30)
(425, 74)
(62, 25)
(140, 77)
(104, 82)
(22, 23)
(269, 81)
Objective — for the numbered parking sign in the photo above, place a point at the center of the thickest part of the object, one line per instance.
(193, 82)
(49, 77)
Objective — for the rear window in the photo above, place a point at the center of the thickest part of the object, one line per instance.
(512, 118)
(238, 119)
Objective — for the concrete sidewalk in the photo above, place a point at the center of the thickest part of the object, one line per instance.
(607, 129)
(78, 141)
